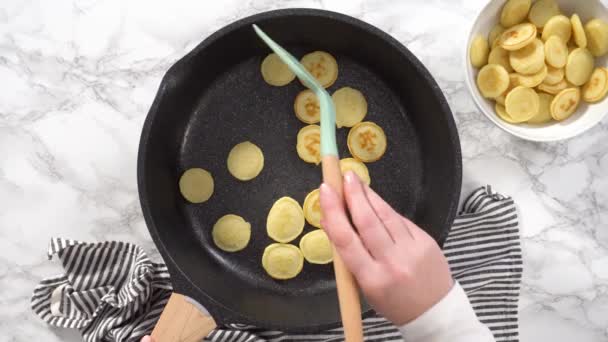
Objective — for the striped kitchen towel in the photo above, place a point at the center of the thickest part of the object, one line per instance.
(111, 291)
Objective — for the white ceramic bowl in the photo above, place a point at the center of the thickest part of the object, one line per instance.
(585, 117)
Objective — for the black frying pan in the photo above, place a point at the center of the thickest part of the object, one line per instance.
(215, 97)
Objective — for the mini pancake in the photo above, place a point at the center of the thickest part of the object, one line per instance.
(231, 233)
(322, 66)
(285, 220)
(366, 141)
(307, 107)
(316, 248)
(245, 161)
(351, 106)
(308, 144)
(282, 261)
(312, 209)
(196, 185)
(565, 103)
(352, 164)
(275, 72)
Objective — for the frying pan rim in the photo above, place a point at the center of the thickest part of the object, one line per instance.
(212, 305)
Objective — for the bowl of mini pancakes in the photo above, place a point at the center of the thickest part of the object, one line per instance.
(539, 69)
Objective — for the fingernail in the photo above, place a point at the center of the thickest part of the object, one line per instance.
(324, 189)
(351, 177)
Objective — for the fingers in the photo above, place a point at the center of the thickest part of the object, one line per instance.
(147, 339)
(373, 233)
(392, 220)
(415, 231)
(341, 233)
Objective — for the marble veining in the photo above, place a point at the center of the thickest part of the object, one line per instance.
(77, 78)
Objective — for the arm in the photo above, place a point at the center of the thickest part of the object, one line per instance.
(400, 269)
(451, 319)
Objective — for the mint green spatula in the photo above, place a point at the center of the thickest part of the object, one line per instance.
(348, 295)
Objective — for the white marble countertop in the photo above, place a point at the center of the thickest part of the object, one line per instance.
(77, 80)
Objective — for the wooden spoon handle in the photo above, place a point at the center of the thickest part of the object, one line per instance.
(348, 295)
(182, 321)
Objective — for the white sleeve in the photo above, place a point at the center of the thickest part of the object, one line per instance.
(451, 319)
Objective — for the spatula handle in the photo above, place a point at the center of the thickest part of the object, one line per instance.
(182, 321)
(348, 295)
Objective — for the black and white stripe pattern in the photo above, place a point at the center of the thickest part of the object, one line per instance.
(484, 252)
(112, 292)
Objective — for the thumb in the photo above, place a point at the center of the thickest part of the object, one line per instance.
(333, 216)
(342, 235)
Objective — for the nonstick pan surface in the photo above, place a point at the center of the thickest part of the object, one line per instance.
(215, 97)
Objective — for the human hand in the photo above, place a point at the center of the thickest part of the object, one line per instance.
(147, 339)
(399, 267)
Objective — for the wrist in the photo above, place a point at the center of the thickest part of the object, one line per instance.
(451, 313)
(434, 295)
